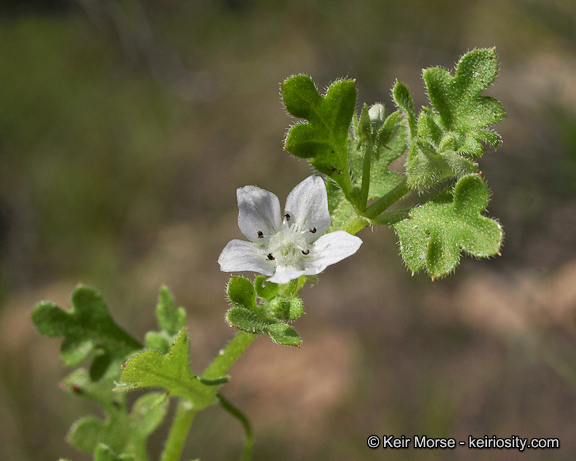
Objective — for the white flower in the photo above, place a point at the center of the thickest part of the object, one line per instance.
(286, 246)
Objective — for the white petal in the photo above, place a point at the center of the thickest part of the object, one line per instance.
(259, 212)
(240, 256)
(308, 202)
(284, 274)
(331, 248)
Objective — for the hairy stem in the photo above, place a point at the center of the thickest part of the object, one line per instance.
(185, 412)
(365, 188)
(227, 356)
(179, 431)
(384, 202)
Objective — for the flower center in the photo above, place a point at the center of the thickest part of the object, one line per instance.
(289, 247)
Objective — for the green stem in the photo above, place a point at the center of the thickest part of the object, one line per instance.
(185, 412)
(249, 441)
(227, 356)
(384, 202)
(179, 431)
(365, 188)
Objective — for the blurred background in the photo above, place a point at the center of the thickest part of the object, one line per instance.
(126, 127)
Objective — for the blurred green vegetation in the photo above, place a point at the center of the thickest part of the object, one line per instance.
(127, 125)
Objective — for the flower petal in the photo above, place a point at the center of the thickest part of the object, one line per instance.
(284, 274)
(240, 256)
(331, 248)
(308, 202)
(259, 212)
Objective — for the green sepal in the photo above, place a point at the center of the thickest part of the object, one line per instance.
(283, 334)
(241, 293)
(88, 330)
(265, 290)
(323, 140)
(245, 320)
(295, 285)
(285, 309)
(170, 371)
(105, 453)
(433, 235)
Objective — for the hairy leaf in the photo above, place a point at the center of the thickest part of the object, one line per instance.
(323, 140)
(434, 234)
(450, 137)
(121, 431)
(170, 319)
(88, 331)
(170, 371)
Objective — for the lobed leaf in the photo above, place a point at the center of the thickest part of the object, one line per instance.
(121, 431)
(457, 99)
(447, 140)
(170, 371)
(434, 234)
(88, 331)
(170, 319)
(323, 140)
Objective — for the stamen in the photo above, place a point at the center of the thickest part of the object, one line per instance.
(270, 257)
(313, 230)
(260, 234)
(287, 216)
(305, 252)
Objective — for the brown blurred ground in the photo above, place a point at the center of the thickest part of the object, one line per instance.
(125, 128)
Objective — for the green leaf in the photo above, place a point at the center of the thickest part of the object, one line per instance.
(434, 234)
(121, 431)
(403, 100)
(170, 319)
(104, 453)
(391, 143)
(283, 334)
(324, 139)
(343, 214)
(457, 99)
(170, 371)
(448, 139)
(88, 330)
(157, 341)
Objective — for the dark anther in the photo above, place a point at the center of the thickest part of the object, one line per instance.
(305, 252)
(313, 230)
(287, 216)
(270, 257)
(260, 235)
